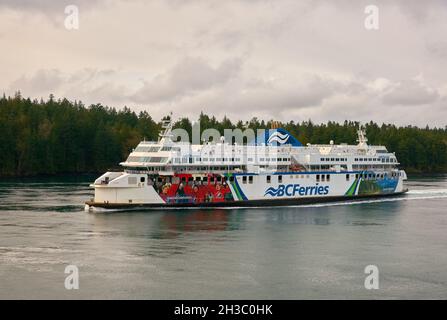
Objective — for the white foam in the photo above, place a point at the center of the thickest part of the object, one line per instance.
(355, 202)
(427, 194)
(428, 191)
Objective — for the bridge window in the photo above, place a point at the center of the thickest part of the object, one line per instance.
(146, 149)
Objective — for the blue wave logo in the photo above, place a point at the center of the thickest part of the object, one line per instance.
(272, 192)
(278, 137)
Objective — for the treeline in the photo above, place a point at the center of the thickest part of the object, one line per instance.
(60, 136)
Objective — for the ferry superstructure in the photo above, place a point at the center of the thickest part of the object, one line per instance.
(273, 170)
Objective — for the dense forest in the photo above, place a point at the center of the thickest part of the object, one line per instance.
(60, 136)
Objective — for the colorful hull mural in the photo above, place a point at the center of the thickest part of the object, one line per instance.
(364, 186)
(195, 189)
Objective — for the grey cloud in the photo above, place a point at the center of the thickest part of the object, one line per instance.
(41, 81)
(93, 85)
(46, 6)
(188, 76)
(284, 96)
(437, 49)
(410, 92)
(133, 52)
(257, 97)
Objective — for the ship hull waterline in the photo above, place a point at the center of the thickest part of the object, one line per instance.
(283, 202)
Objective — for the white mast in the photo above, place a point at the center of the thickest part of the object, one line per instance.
(167, 126)
(361, 137)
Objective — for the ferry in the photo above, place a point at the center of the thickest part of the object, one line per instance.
(274, 169)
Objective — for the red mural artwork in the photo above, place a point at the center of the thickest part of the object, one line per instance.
(186, 188)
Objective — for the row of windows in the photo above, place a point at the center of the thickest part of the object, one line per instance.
(327, 177)
(358, 159)
(323, 177)
(207, 179)
(366, 159)
(147, 159)
(318, 177)
(155, 149)
(219, 168)
(376, 159)
(268, 178)
(377, 175)
(192, 160)
(334, 159)
(147, 149)
(249, 179)
(168, 148)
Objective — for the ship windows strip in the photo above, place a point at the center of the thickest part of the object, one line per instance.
(146, 149)
(147, 159)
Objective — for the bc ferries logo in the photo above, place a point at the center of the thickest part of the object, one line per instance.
(291, 190)
(278, 137)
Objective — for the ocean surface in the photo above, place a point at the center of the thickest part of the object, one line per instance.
(307, 252)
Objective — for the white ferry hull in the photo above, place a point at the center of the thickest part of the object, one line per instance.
(244, 190)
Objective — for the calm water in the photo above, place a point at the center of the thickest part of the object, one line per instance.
(317, 251)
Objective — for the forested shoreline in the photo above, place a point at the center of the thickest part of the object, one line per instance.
(51, 137)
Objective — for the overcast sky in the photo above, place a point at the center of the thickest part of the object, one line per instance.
(274, 59)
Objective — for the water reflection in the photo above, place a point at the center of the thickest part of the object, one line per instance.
(170, 224)
(346, 214)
